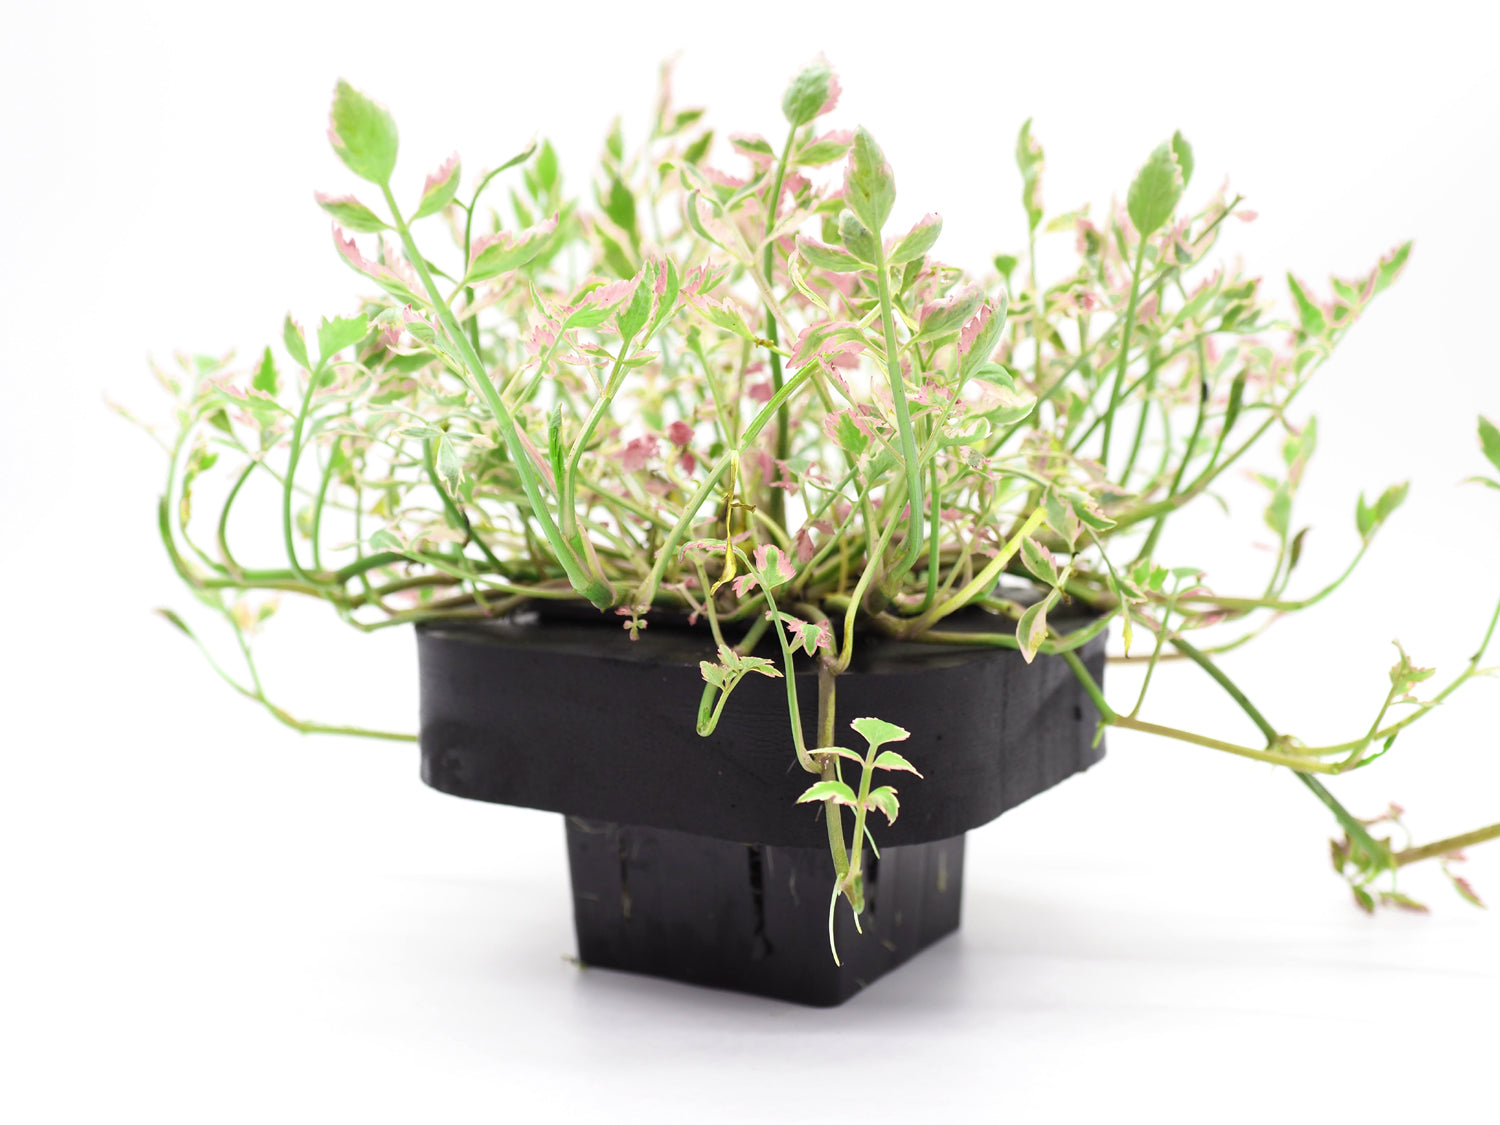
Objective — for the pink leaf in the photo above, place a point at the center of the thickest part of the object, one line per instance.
(679, 433)
(638, 451)
(804, 545)
(834, 90)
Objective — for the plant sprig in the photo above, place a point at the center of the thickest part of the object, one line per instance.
(733, 393)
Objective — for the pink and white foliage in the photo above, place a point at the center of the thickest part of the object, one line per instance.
(503, 251)
(836, 343)
(773, 565)
(440, 187)
(809, 636)
(755, 147)
(402, 284)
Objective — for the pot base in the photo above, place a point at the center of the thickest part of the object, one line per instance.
(753, 918)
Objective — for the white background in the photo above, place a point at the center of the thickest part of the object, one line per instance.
(209, 918)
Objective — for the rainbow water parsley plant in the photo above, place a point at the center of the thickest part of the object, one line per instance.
(743, 397)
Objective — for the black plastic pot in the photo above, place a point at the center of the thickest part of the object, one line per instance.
(690, 858)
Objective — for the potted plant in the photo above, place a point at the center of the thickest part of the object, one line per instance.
(769, 549)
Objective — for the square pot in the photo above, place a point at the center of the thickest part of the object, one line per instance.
(690, 857)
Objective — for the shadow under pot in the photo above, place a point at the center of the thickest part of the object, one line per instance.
(690, 858)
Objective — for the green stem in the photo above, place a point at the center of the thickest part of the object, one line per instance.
(592, 587)
(293, 456)
(984, 580)
(1187, 456)
(1443, 847)
(1114, 398)
(647, 589)
(783, 416)
(1347, 820)
(913, 464)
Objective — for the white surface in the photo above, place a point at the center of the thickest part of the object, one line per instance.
(208, 918)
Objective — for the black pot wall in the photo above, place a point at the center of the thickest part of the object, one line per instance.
(753, 917)
(575, 717)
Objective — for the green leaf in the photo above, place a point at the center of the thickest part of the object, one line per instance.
(696, 151)
(760, 665)
(555, 451)
(337, 334)
(546, 167)
(440, 188)
(1032, 161)
(266, 380)
(667, 301)
(1489, 441)
(615, 257)
(849, 436)
(835, 791)
(450, 468)
(978, 338)
(884, 800)
(1313, 321)
(1089, 514)
(1369, 517)
(619, 205)
(351, 213)
(890, 760)
(858, 239)
(1391, 266)
(614, 143)
(294, 341)
(1236, 399)
(808, 93)
(877, 732)
(726, 314)
(1363, 899)
(948, 314)
(1294, 555)
(1005, 265)
(997, 374)
(869, 184)
(1039, 561)
(1279, 511)
(386, 540)
(772, 566)
(917, 241)
(1155, 191)
(1031, 630)
(752, 145)
(502, 252)
(176, 622)
(1184, 153)
(819, 151)
(828, 258)
(632, 318)
(363, 134)
(1404, 902)
(1060, 517)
